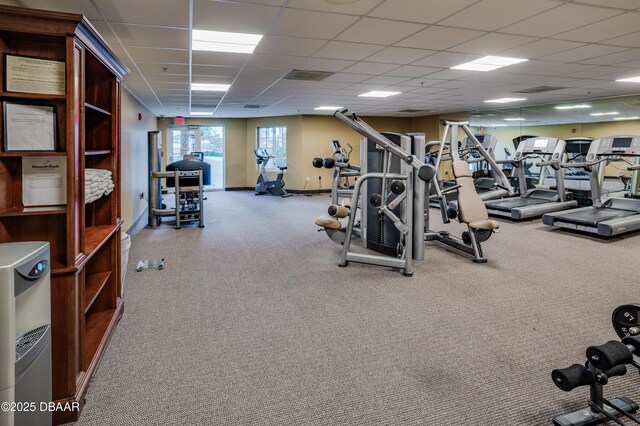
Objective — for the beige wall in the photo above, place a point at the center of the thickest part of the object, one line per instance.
(235, 148)
(10, 2)
(134, 157)
(309, 136)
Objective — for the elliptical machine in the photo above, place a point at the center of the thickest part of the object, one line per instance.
(264, 185)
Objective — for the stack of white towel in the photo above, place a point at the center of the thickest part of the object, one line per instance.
(97, 182)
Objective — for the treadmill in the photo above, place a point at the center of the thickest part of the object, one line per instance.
(611, 215)
(478, 163)
(533, 203)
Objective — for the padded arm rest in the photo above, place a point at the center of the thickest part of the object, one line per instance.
(329, 222)
(487, 224)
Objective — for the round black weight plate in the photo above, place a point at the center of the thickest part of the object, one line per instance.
(626, 320)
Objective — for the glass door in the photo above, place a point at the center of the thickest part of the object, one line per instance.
(206, 139)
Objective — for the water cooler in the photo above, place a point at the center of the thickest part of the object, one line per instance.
(25, 332)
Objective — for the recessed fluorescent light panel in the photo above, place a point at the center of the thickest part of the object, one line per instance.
(218, 41)
(207, 87)
(598, 114)
(201, 113)
(576, 106)
(515, 119)
(504, 100)
(328, 108)
(626, 118)
(379, 94)
(488, 63)
(630, 80)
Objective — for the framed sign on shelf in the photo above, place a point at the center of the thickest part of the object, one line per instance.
(24, 74)
(29, 127)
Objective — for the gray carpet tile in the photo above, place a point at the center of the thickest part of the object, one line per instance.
(253, 323)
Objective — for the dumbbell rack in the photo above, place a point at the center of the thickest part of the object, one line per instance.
(603, 362)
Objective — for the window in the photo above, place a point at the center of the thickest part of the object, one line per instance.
(274, 140)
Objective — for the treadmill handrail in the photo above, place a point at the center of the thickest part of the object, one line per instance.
(634, 167)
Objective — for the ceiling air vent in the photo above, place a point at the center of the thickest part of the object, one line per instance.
(539, 89)
(307, 75)
(254, 106)
(414, 110)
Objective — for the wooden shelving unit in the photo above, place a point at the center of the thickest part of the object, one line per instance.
(85, 239)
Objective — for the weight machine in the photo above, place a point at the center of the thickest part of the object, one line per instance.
(604, 362)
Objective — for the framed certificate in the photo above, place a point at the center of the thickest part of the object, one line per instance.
(33, 75)
(29, 127)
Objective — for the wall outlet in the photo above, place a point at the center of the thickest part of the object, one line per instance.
(308, 178)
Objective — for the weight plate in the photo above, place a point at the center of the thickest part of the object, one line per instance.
(626, 320)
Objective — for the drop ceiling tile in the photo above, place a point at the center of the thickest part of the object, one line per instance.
(560, 19)
(619, 58)
(346, 50)
(583, 53)
(233, 16)
(157, 68)
(172, 13)
(385, 80)
(147, 36)
(160, 78)
(421, 82)
(629, 40)
(439, 38)
(253, 72)
(296, 23)
(360, 7)
(293, 46)
(490, 15)
(540, 48)
(424, 11)
(204, 70)
(602, 72)
(378, 31)
(72, 6)
(399, 55)
(412, 71)
(145, 54)
(492, 44)
(617, 26)
(445, 59)
(218, 58)
(342, 77)
(371, 68)
(621, 4)
(105, 32)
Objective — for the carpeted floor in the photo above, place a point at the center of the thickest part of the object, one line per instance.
(253, 323)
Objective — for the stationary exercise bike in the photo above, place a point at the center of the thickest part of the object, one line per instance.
(264, 185)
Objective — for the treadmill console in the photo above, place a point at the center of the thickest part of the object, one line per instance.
(488, 142)
(618, 145)
(541, 145)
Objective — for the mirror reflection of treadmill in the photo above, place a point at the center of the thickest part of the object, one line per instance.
(534, 202)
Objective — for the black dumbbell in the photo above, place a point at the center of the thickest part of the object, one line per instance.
(317, 162)
(328, 163)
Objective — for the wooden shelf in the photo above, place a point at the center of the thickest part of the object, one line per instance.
(97, 109)
(93, 285)
(32, 154)
(34, 211)
(95, 236)
(85, 239)
(33, 96)
(96, 325)
(98, 152)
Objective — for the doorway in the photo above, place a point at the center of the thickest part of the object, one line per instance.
(206, 139)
